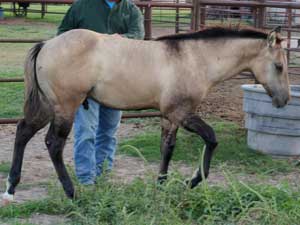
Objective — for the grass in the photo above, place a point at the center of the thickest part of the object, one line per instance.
(12, 99)
(36, 17)
(4, 167)
(13, 54)
(232, 150)
(143, 202)
(12, 59)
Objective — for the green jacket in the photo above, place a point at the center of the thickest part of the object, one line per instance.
(124, 18)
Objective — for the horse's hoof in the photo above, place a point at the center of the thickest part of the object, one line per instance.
(161, 179)
(7, 198)
(71, 196)
(192, 183)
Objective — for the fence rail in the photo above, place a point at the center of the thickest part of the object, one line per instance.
(273, 4)
(124, 116)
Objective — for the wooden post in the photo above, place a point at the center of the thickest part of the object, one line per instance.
(289, 33)
(147, 22)
(195, 15)
(43, 10)
(14, 8)
(255, 19)
(261, 16)
(202, 16)
(177, 19)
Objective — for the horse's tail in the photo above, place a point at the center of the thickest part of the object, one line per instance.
(33, 103)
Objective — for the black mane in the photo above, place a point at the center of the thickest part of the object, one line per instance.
(216, 33)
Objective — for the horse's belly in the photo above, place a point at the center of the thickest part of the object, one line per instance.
(124, 97)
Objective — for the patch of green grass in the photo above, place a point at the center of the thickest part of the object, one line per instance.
(9, 72)
(12, 98)
(49, 18)
(13, 54)
(4, 167)
(27, 31)
(232, 150)
(142, 202)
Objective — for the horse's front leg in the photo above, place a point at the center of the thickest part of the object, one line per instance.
(55, 141)
(195, 124)
(168, 141)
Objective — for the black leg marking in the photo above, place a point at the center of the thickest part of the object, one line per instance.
(25, 132)
(168, 141)
(196, 125)
(55, 141)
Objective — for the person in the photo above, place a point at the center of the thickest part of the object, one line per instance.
(95, 127)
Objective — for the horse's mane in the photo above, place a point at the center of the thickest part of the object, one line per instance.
(216, 33)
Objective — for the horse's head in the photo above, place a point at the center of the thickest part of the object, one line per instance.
(271, 70)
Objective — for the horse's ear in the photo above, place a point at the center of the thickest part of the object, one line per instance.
(274, 37)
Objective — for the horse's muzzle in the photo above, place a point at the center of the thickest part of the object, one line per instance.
(280, 101)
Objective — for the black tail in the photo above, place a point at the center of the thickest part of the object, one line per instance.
(34, 54)
(33, 105)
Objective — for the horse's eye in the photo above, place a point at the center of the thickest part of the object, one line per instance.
(278, 66)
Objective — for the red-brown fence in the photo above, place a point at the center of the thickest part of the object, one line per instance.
(260, 14)
(146, 7)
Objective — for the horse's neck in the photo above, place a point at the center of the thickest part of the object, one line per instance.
(227, 59)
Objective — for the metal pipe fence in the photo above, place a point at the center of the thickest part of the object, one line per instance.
(261, 14)
(174, 14)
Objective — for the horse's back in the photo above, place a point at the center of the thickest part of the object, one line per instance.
(114, 71)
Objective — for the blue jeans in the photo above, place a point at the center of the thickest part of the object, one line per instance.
(95, 141)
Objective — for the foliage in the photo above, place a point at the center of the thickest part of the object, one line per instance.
(4, 167)
(232, 150)
(144, 202)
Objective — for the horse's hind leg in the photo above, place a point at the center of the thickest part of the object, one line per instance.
(168, 141)
(25, 131)
(196, 125)
(55, 141)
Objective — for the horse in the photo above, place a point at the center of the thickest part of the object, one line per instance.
(171, 74)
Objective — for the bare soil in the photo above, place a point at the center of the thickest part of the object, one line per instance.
(40, 219)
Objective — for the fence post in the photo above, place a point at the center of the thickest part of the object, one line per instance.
(261, 16)
(202, 16)
(43, 10)
(177, 19)
(147, 22)
(195, 15)
(289, 33)
(14, 9)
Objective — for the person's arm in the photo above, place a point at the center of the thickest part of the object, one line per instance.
(136, 24)
(69, 21)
